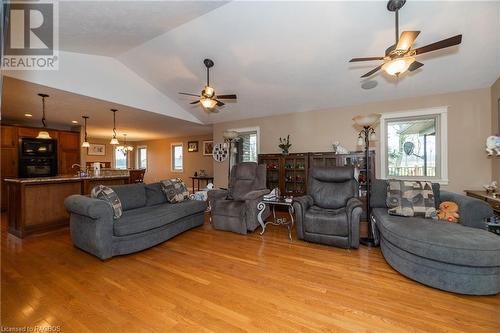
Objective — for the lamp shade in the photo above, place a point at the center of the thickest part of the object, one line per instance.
(208, 103)
(114, 141)
(366, 120)
(398, 66)
(85, 144)
(43, 135)
(230, 135)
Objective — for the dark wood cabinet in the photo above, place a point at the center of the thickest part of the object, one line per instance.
(68, 152)
(286, 172)
(289, 172)
(9, 137)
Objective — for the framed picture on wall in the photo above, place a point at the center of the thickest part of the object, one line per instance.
(96, 149)
(208, 147)
(192, 146)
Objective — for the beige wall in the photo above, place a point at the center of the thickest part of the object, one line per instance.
(159, 159)
(109, 153)
(469, 122)
(495, 97)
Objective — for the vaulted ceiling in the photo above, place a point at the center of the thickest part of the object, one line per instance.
(282, 57)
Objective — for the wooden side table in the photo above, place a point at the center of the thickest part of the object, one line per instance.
(205, 178)
(494, 202)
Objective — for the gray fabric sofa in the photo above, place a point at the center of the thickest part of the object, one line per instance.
(236, 209)
(462, 258)
(330, 212)
(147, 220)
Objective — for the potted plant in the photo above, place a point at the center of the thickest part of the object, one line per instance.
(285, 145)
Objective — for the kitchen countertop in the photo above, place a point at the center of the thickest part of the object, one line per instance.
(62, 178)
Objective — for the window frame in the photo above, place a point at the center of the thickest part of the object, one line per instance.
(442, 129)
(172, 156)
(138, 161)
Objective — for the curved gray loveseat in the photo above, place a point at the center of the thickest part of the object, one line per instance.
(147, 220)
(462, 258)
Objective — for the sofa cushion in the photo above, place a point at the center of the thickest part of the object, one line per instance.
(326, 221)
(154, 195)
(175, 190)
(438, 240)
(107, 194)
(131, 196)
(229, 208)
(411, 198)
(146, 218)
(378, 196)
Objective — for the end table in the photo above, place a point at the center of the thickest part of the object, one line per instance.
(261, 206)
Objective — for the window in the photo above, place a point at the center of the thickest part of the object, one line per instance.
(120, 159)
(177, 157)
(142, 157)
(247, 147)
(413, 145)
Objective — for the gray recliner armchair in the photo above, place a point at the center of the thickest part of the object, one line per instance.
(330, 212)
(236, 209)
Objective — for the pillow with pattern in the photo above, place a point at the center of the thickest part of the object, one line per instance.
(175, 190)
(107, 194)
(411, 198)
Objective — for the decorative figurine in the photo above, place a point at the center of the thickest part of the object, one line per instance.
(493, 145)
(338, 149)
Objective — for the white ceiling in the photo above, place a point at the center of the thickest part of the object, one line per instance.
(284, 56)
(20, 97)
(112, 27)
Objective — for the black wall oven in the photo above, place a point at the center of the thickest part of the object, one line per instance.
(37, 158)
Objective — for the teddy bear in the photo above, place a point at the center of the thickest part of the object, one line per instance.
(448, 211)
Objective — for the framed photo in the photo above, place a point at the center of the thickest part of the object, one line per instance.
(208, 147)
(192, 146)
(96, 149)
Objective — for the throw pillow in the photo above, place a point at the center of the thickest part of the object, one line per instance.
(175, 190)
(107, 194)
(411, 198)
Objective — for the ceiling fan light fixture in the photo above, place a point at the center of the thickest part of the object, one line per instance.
(208, 103)
(398, 66)
(208, 92)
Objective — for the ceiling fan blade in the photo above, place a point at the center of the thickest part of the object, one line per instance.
(226, 96)
(406, 40)
(455, 40)
(188, 94)
(366, 59)
(195, 102)
(415, 65)
(373, 71)
(219, 103)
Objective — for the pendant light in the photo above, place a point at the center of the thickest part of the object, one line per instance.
(114, 140)
(125, 149)
(43, 134)
(85, 143)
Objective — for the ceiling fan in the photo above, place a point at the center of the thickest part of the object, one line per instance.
(208, 99)
(400, 57)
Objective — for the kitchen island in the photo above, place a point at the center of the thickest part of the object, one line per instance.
(36, 205)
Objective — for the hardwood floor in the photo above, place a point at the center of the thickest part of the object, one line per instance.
(207, 280)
